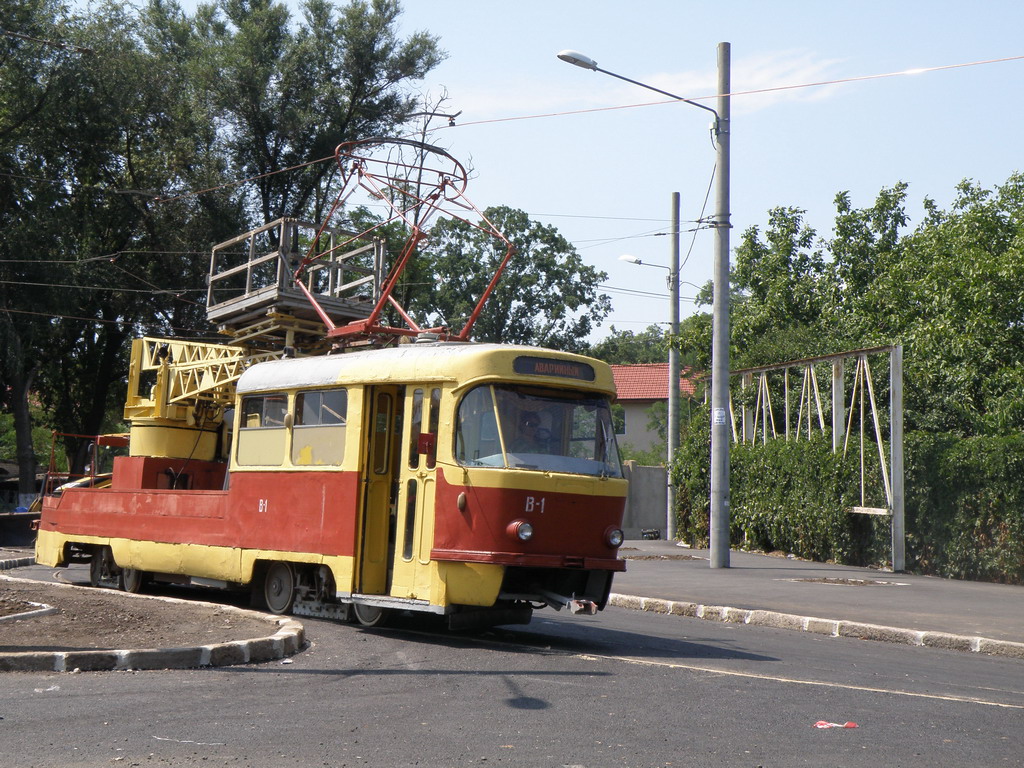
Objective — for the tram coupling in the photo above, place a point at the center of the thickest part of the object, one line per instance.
(558, 602)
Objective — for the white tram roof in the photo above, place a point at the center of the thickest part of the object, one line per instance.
(460, 362)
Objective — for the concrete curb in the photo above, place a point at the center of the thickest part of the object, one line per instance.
(828, 627)
(20, 562)
(287, 640)
(39, 609)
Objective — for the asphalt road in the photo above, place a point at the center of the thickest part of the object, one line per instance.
(621, 689)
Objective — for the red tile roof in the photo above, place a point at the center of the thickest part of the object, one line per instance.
(648, 381)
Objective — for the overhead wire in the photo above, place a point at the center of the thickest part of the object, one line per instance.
(152, 285)
(104, 257)
(608, 240)
(598, 218)
(564, 113)
(646, 294)
(452, 124)
(104, 321)
(52, 43)
(750, 92)
(236, 183)
(695, 230)
(170, 291)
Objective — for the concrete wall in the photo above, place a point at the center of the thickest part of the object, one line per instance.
(648, 496)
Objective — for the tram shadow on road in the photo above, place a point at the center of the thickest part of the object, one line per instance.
(567, 635)
(548, 633)
(550, 636)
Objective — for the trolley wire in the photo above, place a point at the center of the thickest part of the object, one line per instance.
(104, 257)
(104, 321)
(176, 292)
(451, 124)
(750, 92)
(590, 244)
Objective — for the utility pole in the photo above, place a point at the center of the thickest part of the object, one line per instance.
(673, 371)
(720, 318)
(719, 554)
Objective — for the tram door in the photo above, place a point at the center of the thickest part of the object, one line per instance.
(416, 481)
(383, 443)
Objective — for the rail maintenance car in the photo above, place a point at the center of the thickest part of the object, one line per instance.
(474, 481)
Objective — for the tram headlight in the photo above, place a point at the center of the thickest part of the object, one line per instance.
(614, 537)
(520, 529)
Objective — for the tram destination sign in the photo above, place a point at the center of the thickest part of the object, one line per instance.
(546, 366)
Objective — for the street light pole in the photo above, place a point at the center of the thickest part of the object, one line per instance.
(719, 555)
(672, 437)
(720, 317)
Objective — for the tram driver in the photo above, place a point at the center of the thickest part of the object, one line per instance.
(531, 437)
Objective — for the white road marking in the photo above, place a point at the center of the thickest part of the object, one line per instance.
(797, 681)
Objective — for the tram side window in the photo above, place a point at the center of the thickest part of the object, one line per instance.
(593, 437)
(435, 419)
(319, 434)
(415, 426)
(261, 439)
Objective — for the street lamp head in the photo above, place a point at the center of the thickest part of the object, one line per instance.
(577, 58)
(584, 61)
(641, 262)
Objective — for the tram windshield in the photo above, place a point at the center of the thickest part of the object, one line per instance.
(521, 427)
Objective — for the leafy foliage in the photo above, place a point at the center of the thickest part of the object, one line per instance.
(547, 295)
(791, 496)
(628, 348)
(965, 506)
(109, 119)
(950, 292)
(287, 93)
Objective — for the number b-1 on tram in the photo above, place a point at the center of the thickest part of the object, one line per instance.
(475, 481)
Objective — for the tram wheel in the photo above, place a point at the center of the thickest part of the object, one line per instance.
(279, 588)
(101, 567)
(371, 615)
(96, 569)
(132, 580)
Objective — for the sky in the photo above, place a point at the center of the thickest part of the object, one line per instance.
(599, 158)
(605, 179)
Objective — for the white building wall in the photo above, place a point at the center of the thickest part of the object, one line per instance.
(637, 433)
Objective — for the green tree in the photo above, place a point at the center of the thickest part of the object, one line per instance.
(547, 295)
(951, 293)
(628, 348)
(87, 231)
(289, 92)
(777, 300)
(107, 121)
(948, 290)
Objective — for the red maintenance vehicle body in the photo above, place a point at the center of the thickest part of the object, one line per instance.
(474, 481)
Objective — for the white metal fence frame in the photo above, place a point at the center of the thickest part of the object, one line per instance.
(761, 418)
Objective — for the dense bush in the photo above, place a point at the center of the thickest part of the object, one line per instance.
(964, 508)
(948, 291)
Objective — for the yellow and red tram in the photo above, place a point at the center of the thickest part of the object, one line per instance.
(475, 481)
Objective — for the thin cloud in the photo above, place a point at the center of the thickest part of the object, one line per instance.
(510, 97)
(781, 69)
(777, 69)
